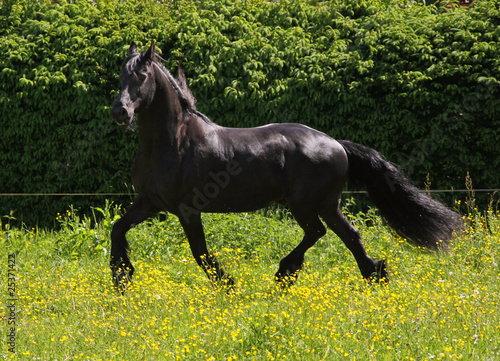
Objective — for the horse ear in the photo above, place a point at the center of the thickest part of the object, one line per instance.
(133, 49)
(151, 52)
(181, 80)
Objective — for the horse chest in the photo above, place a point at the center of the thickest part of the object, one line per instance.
(156, 179)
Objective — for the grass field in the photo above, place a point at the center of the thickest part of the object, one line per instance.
(60, 304)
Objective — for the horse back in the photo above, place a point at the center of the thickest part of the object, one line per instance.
(276, 162)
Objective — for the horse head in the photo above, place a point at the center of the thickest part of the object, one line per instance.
(137, 86)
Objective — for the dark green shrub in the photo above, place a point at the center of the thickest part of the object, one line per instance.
(420, 85)
(58, 79)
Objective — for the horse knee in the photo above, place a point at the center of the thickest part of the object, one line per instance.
(312, 235)
(352, 238)
(117, 231)
(321, 231)
(314, 230)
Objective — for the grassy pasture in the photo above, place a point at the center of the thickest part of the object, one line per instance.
(436, 306)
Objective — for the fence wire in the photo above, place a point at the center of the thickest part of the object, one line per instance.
(134, 194)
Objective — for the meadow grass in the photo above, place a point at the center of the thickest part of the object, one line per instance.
(435, 307)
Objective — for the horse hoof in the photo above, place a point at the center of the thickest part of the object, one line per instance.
(287, 278)
(288, 271)
(122, 276)
(226, 282)
(380, 275)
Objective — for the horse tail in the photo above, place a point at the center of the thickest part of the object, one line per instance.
(408, 210)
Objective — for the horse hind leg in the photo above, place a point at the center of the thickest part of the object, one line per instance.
(371, 269)
(292, 263)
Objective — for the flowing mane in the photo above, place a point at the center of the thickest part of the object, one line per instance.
(181, 80)
(184, 95)
(180, 87)
(134, 64)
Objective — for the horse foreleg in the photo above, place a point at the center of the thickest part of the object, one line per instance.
(196, 237)
(120, 264)
(370, 268)
(292, 264)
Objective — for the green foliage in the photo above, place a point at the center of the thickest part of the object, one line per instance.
(418, 84)
(58, 79)
(81, 235)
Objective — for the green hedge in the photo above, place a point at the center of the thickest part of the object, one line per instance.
(419, 84)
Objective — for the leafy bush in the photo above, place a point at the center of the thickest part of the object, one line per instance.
(59, 77)
(418, 84)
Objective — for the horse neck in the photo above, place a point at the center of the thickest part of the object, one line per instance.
(165, 125)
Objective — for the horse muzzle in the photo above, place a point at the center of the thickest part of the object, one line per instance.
(123, 116)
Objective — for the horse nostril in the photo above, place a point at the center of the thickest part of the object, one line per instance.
(119, 113)
(123, 113)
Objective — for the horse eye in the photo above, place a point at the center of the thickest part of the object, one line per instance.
(141, 77)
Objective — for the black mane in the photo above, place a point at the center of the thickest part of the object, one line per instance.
(135, 63)
(184, 95)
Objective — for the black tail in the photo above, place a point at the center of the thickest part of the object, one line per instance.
(407, 209)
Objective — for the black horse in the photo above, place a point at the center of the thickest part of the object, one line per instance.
(186, 164)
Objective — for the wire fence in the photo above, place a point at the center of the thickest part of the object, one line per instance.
(64, 194)
(492, 190)
(441, 191)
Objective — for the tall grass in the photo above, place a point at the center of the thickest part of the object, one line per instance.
(436, 306)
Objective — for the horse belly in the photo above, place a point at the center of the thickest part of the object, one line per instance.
(238, 189)
(245, 200)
